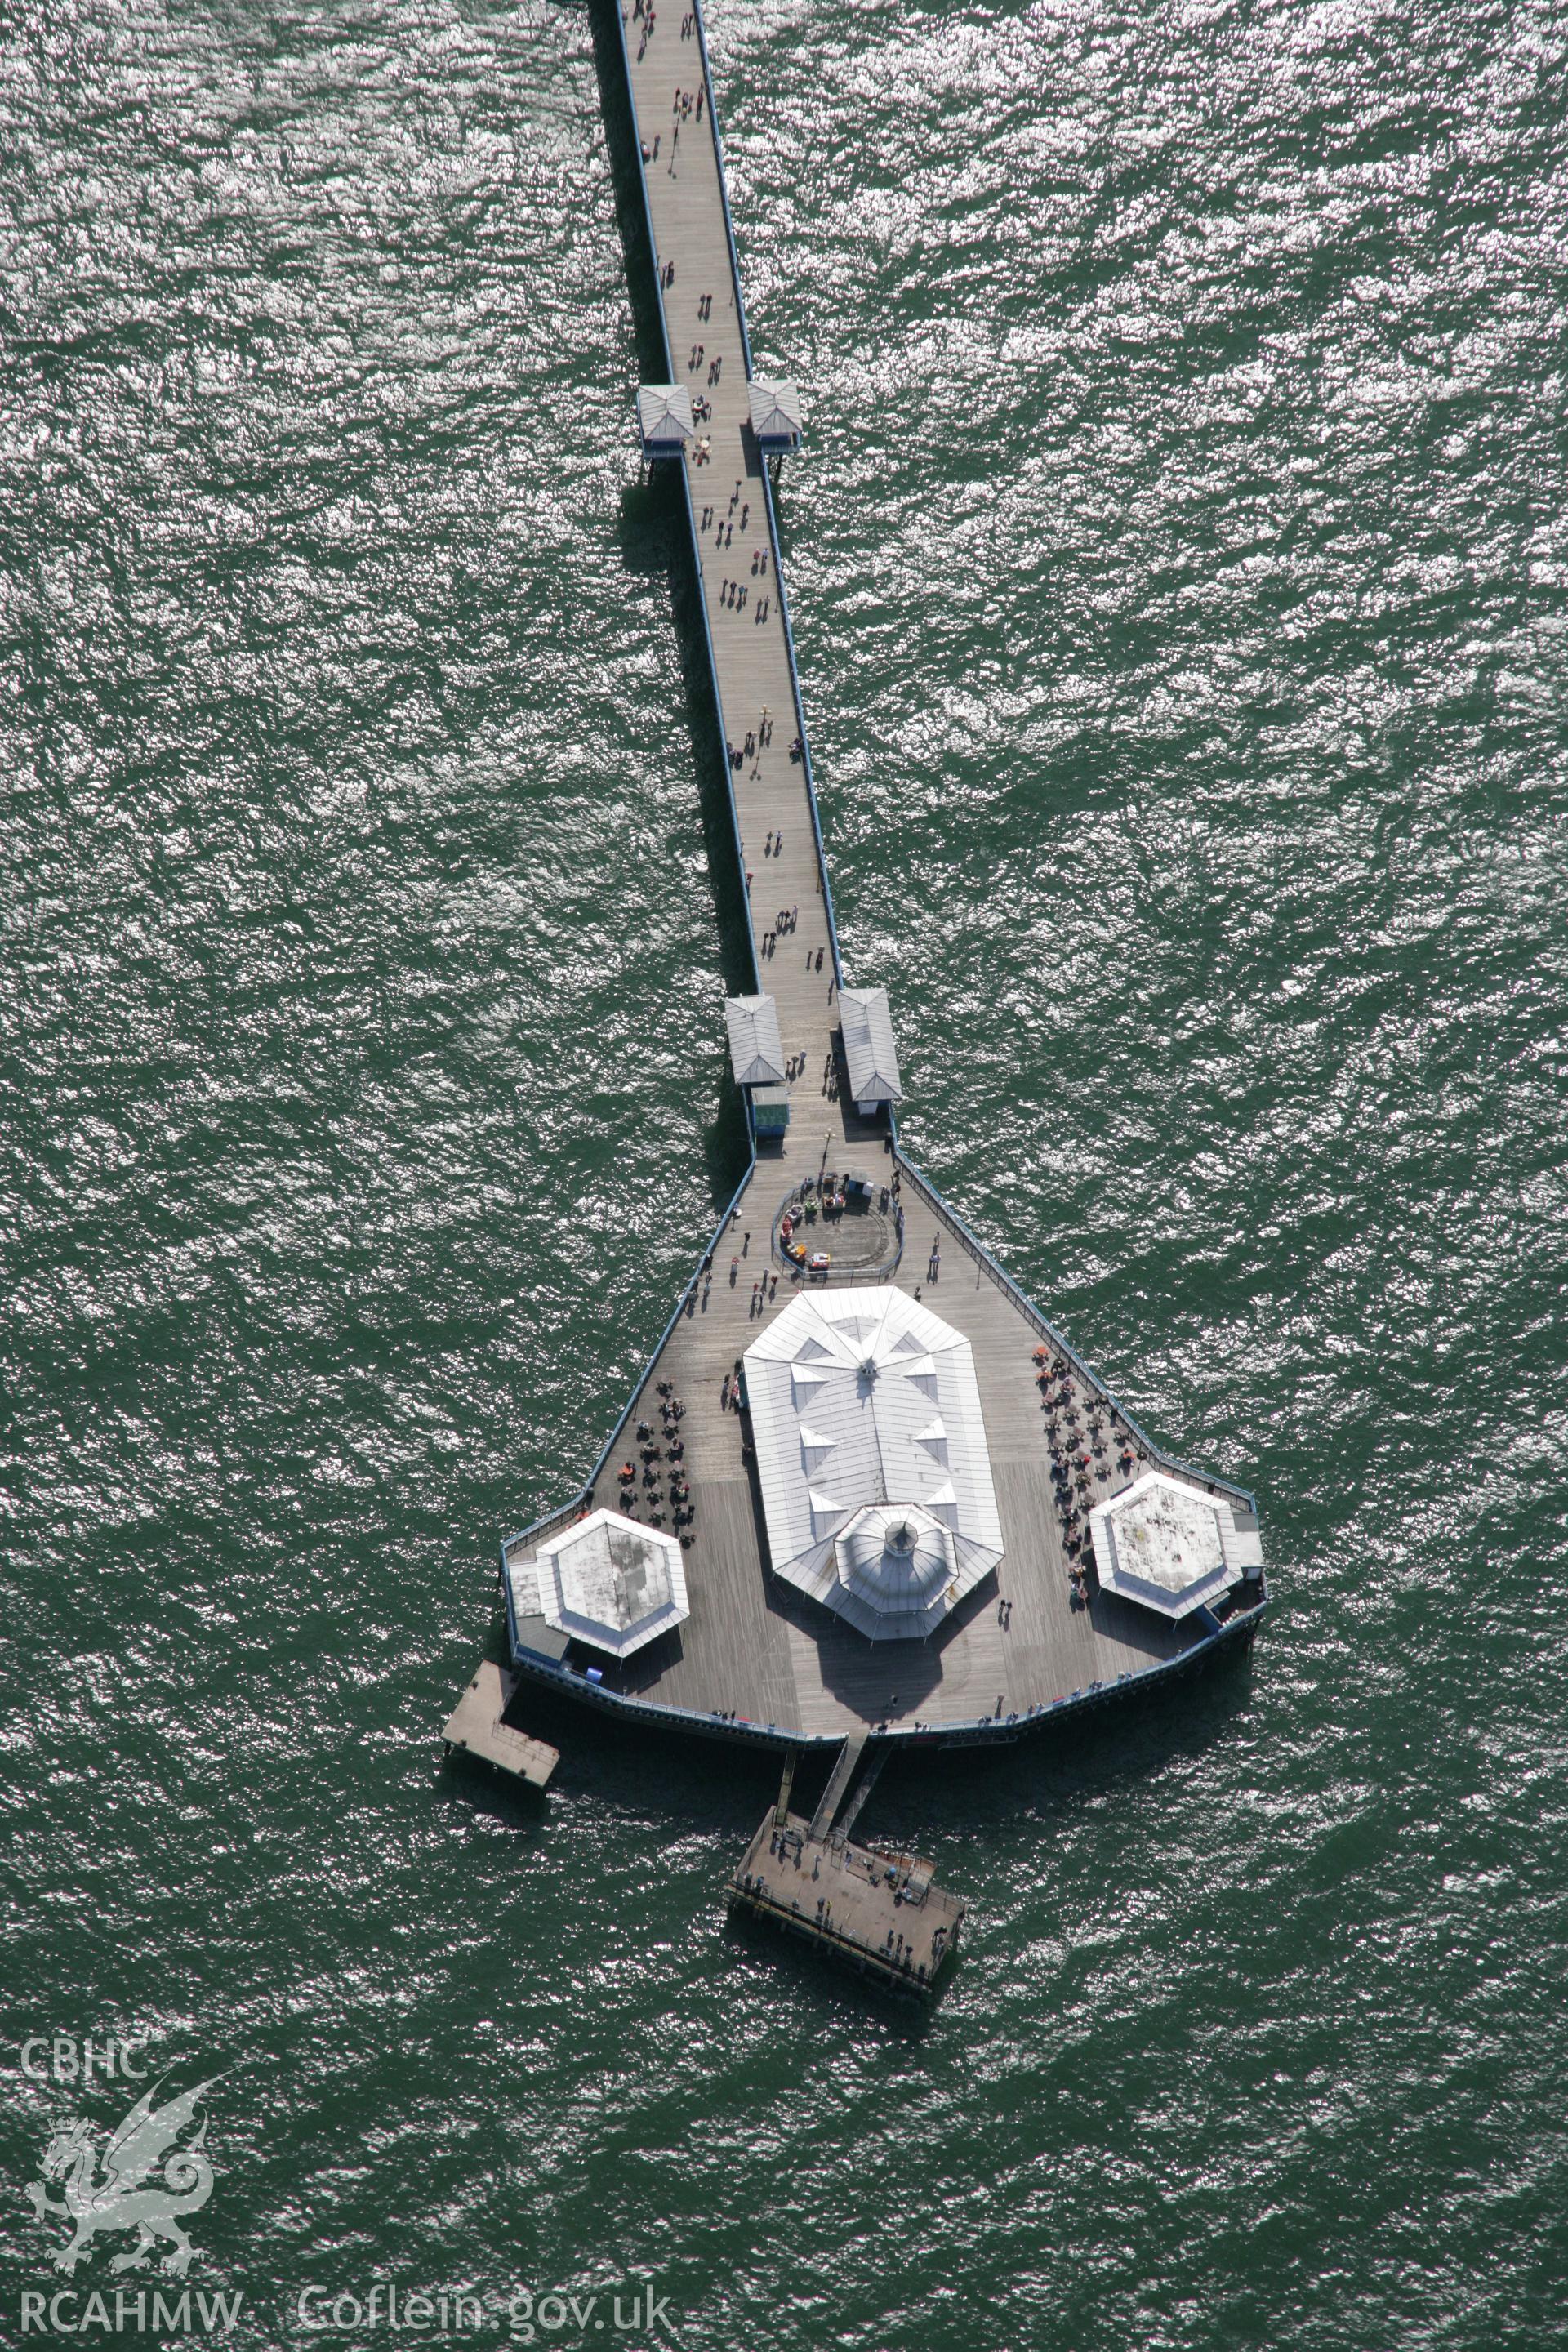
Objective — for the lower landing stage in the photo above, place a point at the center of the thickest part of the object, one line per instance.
(882, 1914)
(477, 1726)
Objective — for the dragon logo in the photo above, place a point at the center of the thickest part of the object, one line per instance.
(148, 2183)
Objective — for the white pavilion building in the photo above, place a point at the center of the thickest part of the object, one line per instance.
(606, 1580)
(871, 1454)
(1170, 1546)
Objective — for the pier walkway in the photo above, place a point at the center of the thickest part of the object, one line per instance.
(756, 1659)
(734, 537)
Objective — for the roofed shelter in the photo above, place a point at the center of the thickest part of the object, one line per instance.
(869, 1050)
(1171, 1546)
(775, 414)
(756, 1047)
(665, 420)
(872, 1459)
(611, 1583)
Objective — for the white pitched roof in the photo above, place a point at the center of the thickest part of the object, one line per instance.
(664, 415)
(1169, 1545)
(869, 1047)
(865, 1414)
(612, 1582)
(775, 408)
(756, 1048)
(898, 1570)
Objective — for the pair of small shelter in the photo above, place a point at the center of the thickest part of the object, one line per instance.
(877, 1490)
(668, 425)
(757, 1054)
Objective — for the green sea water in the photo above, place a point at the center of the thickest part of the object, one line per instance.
(1180, 582)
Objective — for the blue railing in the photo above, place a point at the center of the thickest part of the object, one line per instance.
(976, 1731)
(723, 184)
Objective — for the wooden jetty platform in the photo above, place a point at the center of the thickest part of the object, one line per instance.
(881, 1914)
(478, 1727)
(728, 1645)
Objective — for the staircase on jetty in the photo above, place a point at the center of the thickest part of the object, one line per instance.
(879, 1913)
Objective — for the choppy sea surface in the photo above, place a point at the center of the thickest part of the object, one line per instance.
(1178, 569)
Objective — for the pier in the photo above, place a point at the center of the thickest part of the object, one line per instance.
(1005, 1547)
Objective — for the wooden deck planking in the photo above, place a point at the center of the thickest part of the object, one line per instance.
(755, 1647)
(753, 667)
(478, 1727)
